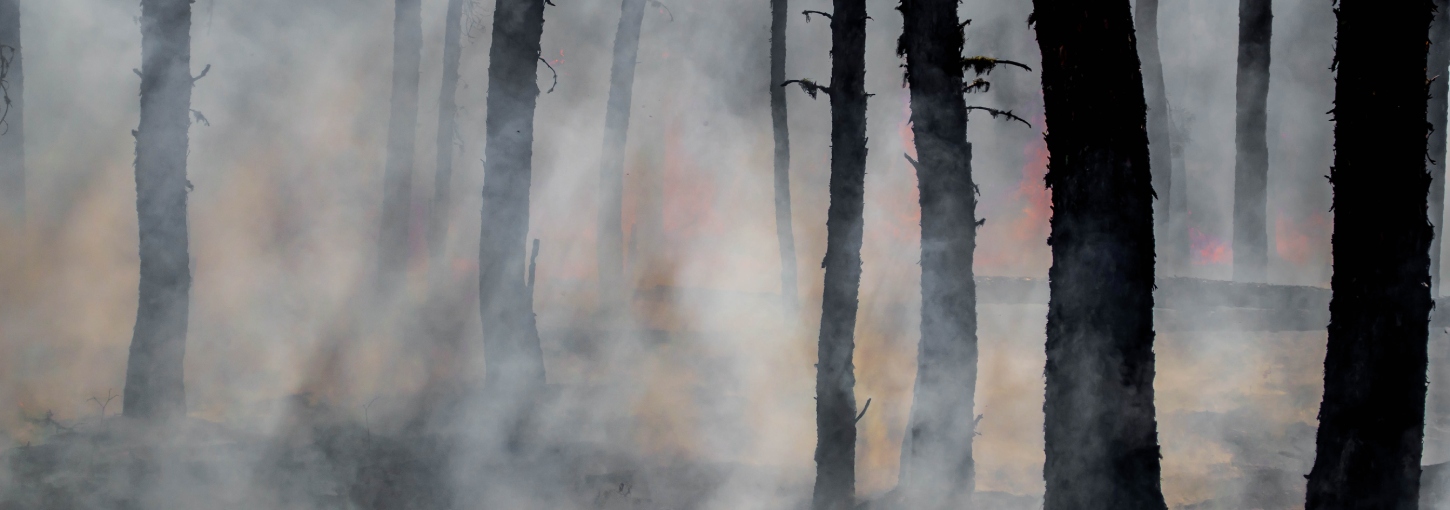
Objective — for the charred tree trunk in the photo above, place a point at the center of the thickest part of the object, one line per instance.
(403, 119)
(937, 469)
(611, 166)
(835, 486)
(1251, 166)
(154, 389)
(1160, 139)
(1100, 429)
(514, 363)
(784, 230)
(12, 130)
(1371, 421)
(447, 130)
(1439, 62)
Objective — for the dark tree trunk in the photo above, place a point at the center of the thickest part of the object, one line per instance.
(937, 469)
(835, 486)
(1371, 421)
(12, 130)
(1100, 429)
(784, 231)
(154, 369)
(447, 130)
(611, 165)
(1439, 61)
(1160, 139)
(1251, 165)
(398, 174)
(514, 363)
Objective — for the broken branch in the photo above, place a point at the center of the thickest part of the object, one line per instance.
(985, 65)
(551, 69)
(863, 410)
(666, 9)
(1002, 113)
(204, 70)
(809, 13)
(812, 88)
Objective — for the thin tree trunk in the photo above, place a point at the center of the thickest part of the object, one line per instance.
(783, 229)
(611, 165)
(1100, 429)
(154, 389)
(447, 130)
(937, 471)
(12, 130)
(1251, 166)
(835, 486)
(1371, 421)
(402, 124)
(514, 363)
(1160, 135)
(1439, 61)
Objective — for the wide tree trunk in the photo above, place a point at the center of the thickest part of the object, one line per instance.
(1251, 164)
(1371, 421)
(784, 231)
(514, 363)
(1160, 141)
(1439, 62)
(937, 469)
(611, 164)
(403, 119)
(1100, 429)
(447, 130)
(154, 389)
(12, 130)
(835, 485)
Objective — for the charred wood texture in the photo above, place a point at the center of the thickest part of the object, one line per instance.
(1100, 428)
(937, 469)
(1438, 63)
(1160, 142)
(514, 363)
(447, 131)
(784, 231)
(12, 130)
(1372, 417)
(393, 245)
(835, 486)
(611, 164)
(1251, 163)
(154, 389)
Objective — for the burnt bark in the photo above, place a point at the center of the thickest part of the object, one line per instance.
(1100, 428)
(154, 390)
(12, 130)
(1251, 163)
(402, 123)
(1438, 63)
(447, 131)
(937, 469)
(835, 485)
(514, 362)
(1160, 141)
(1371, 420)
(611, 164)
(784, 230)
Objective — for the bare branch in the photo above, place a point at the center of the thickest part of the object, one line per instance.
(977, 85)
(533, 262)
(985, 65)
(661, 5)
(913, 162)
(812, 88)
(198, 117)
(863, 410)
(551, 69)
(1000, 113)
(809, 13)
(204, 70)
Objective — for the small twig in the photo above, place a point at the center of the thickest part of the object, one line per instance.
(367, 429)
(863, 410)
(200, 118)
(661, 5)
(1003, 113)
(551, 69)
(985, 65)
(812, 88)
(913, 162)
(809, 13)
(99, 402)
(137, 71)
(204, 70)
